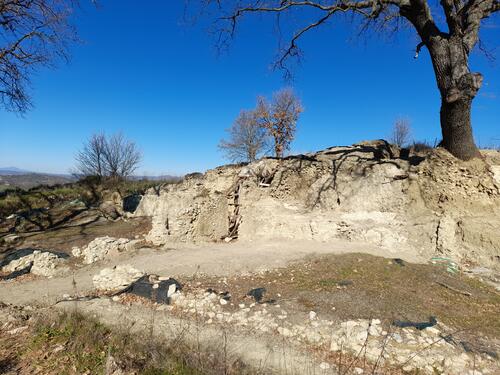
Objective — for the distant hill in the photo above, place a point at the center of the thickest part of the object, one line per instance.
(10, 171)
(10, 178)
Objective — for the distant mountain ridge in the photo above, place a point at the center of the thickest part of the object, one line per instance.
(13, 171)
(13, 177)
(10, 171)
(29, 180)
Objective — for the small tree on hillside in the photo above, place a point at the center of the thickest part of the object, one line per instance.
(247, 139)
(113, 156)
(280, 118)
(401, 132)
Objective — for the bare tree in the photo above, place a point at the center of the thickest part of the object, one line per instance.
(280, 118)
(114, 157)
(90, 161)
(401, 132)
(121, 156)
(449, 46)
(33, 33)
(247, 139)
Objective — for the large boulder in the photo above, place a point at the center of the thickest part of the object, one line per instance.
(109, 210)
(117, 278)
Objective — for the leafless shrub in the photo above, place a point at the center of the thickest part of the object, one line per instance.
(421, 146)
(280, 118)
(113, 156)
(247, 139)
(401, 132)
(493, 145)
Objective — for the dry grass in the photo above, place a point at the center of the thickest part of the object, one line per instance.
(75, 344)
(72, 343)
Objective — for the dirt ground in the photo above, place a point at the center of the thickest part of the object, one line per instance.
(65, 238)
(186, 260)
(338, 280)
(341, 287)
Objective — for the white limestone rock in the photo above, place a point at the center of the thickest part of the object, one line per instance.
(116, 278)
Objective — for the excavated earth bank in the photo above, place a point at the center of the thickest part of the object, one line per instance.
(431, 204)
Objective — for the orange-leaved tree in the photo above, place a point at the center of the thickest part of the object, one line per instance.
(279, 117)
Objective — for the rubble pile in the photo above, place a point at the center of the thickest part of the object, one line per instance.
(425, 350)
(102, 248)
(37, 262)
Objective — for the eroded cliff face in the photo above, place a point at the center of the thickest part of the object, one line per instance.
(194, 210)
(370, 192)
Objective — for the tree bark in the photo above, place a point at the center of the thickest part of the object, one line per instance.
(458, 87)
(457, 130)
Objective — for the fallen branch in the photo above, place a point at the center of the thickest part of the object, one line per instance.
(462, 292)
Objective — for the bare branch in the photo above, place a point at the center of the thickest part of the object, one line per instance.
(419, 14)
(451, 15)
(292, 49)
(370, 9)
(418, 49)
(33, 33)
(471, 15)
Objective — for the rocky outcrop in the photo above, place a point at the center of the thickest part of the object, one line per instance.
(195, 210)
(371, 192)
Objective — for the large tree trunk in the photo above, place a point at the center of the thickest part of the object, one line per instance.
(458, 87)
(457, 130)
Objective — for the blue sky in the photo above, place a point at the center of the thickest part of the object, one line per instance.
(143, 71)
